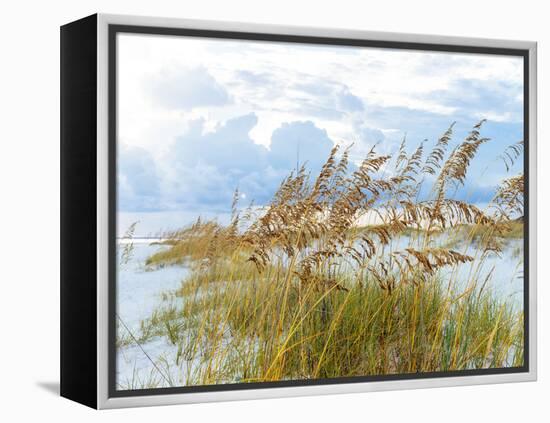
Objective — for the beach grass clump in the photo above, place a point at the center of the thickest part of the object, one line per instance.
(248, 332)
(354, 272)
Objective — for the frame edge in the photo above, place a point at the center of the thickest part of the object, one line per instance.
(78, 306)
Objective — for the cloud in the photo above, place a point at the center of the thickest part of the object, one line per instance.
(186, 88)
(349, 102)
(299, 142)
(138, 185)
(254, 78)
(229, 147)
(365, 137)
(416, 124)
(496, 100)
(201, 170)
(321, 98)
(206, 167)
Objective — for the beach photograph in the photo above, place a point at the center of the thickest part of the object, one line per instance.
(295, 212)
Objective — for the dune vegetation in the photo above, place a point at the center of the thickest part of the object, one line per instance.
(299, 290)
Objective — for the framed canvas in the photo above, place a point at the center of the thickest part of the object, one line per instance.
(254, 211)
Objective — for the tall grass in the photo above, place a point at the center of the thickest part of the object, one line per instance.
(301, 290)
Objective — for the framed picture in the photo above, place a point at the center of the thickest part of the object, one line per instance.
(253, 211)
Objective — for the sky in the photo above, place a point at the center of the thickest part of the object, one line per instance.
(199, 117)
